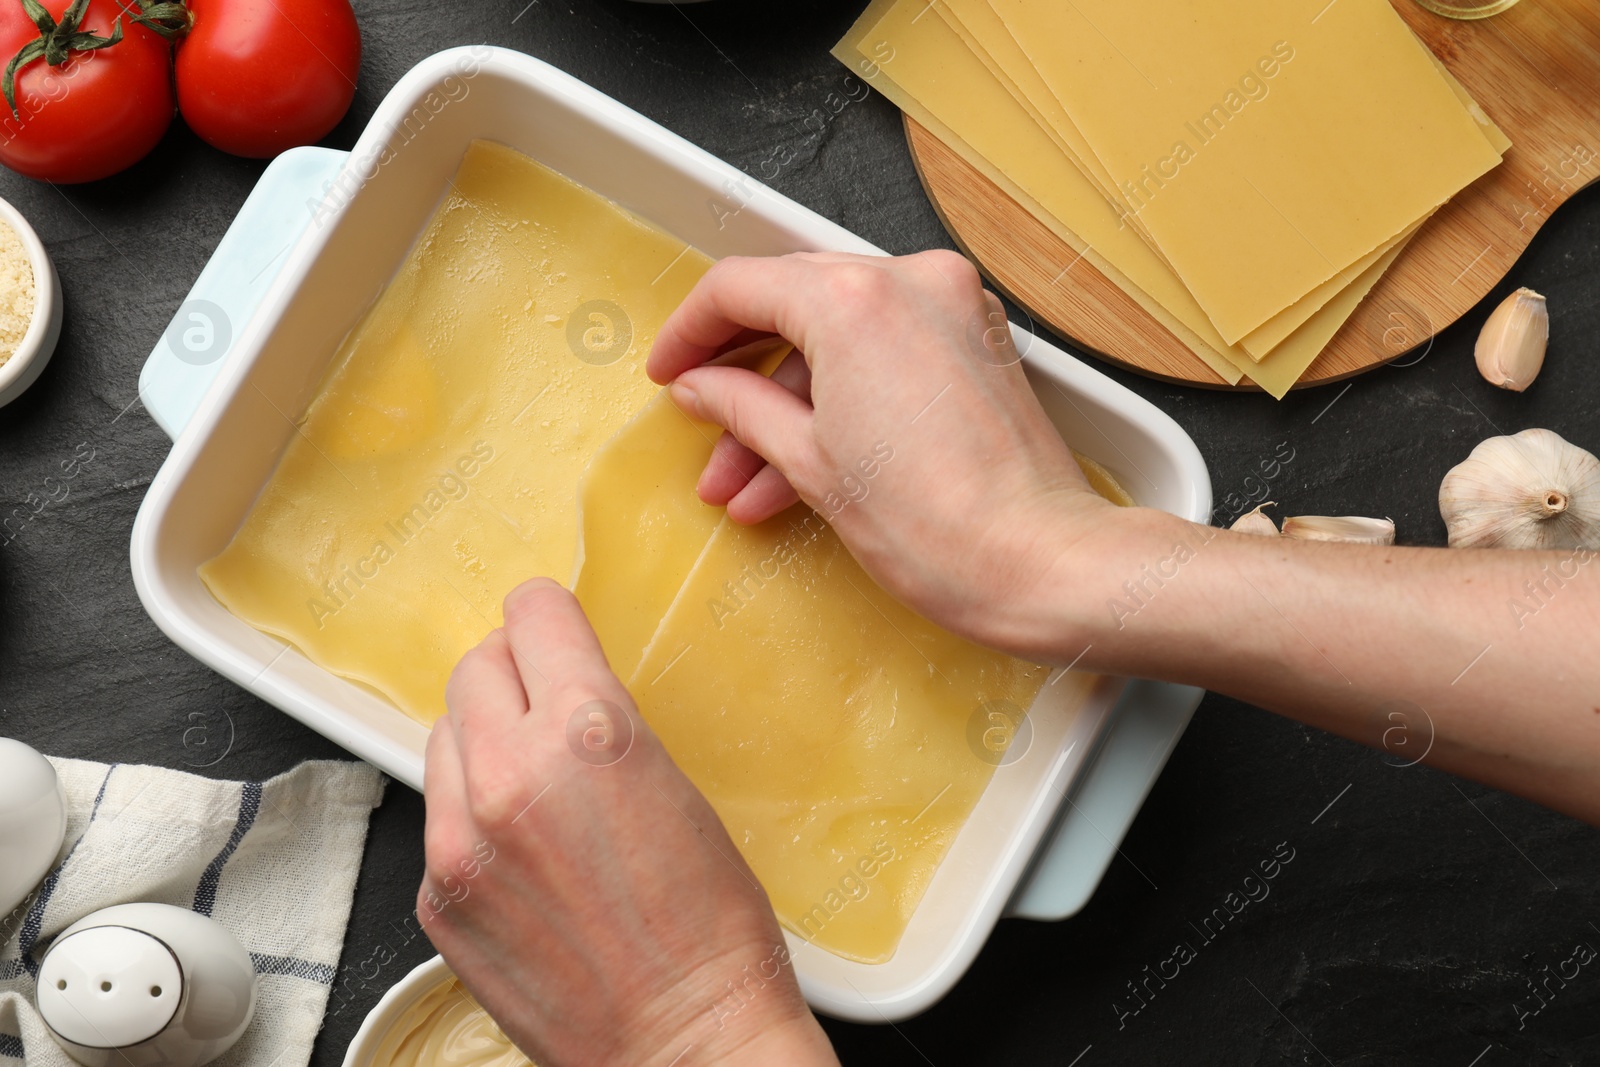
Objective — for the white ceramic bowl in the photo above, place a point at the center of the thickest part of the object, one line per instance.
(384, 196)
(420, 981)
(39, 343)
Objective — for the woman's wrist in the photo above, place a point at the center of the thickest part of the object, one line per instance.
(1094, 578)
(739, 1008)
(797, 1041)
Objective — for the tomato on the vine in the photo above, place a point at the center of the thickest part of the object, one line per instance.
(92, 89)
(257, 78)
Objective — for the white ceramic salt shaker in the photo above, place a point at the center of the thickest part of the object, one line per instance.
(146, 985)
(33, 822)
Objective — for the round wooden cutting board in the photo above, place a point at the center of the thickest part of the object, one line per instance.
(1535, 70)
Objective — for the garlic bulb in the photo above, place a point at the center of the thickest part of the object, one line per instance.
(1351, 528)
(1529, 490)
(1256, 523)
(1510, 348)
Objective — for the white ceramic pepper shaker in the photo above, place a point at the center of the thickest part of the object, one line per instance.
(146, 985)
(33, 822)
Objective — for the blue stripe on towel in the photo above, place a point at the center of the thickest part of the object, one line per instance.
(205, 894)
(11, 1046)
(294, 967)
(29, 935)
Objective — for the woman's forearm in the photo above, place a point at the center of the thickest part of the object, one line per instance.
(1487, 661)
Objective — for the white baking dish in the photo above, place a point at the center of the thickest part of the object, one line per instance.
(353, 240)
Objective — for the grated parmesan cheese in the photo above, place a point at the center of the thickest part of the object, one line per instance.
(16, 292)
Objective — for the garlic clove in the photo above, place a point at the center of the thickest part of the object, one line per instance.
(1511, 346)
(1256, 523)
(1529, 490)
(1354, 529)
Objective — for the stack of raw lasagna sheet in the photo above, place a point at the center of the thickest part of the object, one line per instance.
(1245, 170)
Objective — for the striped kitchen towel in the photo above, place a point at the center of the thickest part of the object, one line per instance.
(275, 862)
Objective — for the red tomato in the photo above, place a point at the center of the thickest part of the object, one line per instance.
(95, 114)
(258, 76)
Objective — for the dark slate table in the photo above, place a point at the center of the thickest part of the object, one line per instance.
(1417, 908)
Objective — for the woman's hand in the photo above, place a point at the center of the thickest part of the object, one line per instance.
(578, 883)
(907, 424)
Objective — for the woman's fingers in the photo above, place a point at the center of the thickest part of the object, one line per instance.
(444, 784)
(488, 702)
(794, 374)
(553, 646)
(768, 493)
(737, 295)
(442, 776)
(733, 466)
(486, 687)
(730, 468)
(760, 413)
